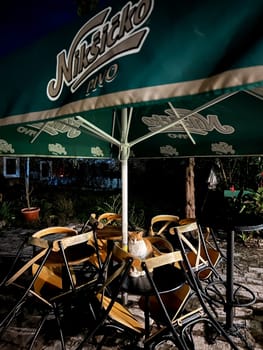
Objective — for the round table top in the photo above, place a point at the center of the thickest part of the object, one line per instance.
(249, 227)
(110, 233)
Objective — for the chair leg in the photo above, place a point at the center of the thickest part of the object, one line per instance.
(11, 315)
(187, 339)
(217, 326)
(44, 318)
(11, 269)
(191, 277)
(26, 293)
(37, 332)
(57, 317)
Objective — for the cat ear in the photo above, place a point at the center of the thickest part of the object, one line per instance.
(140, 233)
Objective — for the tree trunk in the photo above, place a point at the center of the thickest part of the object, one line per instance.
(190, 189)
(27, 190)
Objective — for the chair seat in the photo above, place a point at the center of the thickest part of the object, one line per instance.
(214, 256)
(160, 245)
(173, 301)
(52, 273)
(75, 255)
(167, 278)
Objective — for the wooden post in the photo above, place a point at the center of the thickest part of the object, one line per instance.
(190, 189)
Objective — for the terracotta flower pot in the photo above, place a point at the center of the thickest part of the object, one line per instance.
(30, 214)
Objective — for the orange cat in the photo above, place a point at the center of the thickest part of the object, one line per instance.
(139, 246)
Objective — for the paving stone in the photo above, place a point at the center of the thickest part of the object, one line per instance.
(249, 319)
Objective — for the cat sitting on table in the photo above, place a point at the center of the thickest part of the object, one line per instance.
(140, 247)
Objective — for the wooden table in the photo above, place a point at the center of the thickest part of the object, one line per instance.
(110, 233)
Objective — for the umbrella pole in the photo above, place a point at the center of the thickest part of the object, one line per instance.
(124, 156)
(124, 174)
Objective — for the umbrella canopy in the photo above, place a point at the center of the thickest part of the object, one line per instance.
(136, 78)
(228, 126)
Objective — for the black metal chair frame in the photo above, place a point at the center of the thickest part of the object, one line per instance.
(207, 294)
(51, 304)
(181, 327)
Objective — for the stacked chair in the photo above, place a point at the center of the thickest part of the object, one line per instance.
(166, 289)
(53, 279)
(178, 287)
(160, 224)
(112, 321)
(106, 228)
(201, 259)
(193, 244)
(172, 312)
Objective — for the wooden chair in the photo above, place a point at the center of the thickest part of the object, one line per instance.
(112, 319)
(106, 228)
(164, 302)
(175, 324)
(140, 285)
(160, 224)
(167, 308)
(200, 264)
(117, 319)
(106, 219)
(55, 277)
(203, 258)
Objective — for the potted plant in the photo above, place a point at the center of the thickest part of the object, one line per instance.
(30, 213)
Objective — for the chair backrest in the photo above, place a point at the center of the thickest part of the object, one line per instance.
(55, 230)
(109, 219)
(160, 224)
(58, 249)
(109, 309)
(169, 258)
(69, 252)
(167, 307)
(119, 255)
(191, 241)
(160, 246)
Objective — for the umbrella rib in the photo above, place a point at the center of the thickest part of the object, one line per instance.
(254, 94)
(182, 123)
(38, 133)
(129, 123)
(97, 131)
(196, 110)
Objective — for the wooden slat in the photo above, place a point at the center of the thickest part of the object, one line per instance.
(46, 275)
(122, 315)
(164, 259)
(26, 267)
